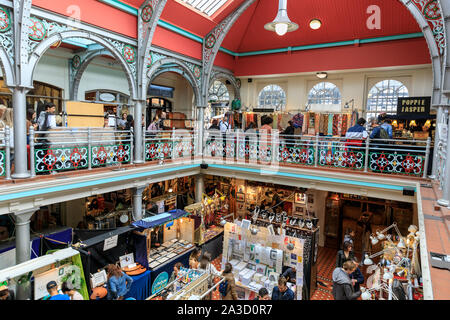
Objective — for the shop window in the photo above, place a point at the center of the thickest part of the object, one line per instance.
(42, 92)
(272, 97)
(218, 92)
(324, 93)
(383, 97)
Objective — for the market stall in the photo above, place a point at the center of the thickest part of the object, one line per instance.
(169, 239)
(188, 285)
(29, 279)
(100, 248)
(259, 257)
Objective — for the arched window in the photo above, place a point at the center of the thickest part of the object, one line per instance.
(383, 97)
(324, 93)
(218, 92)
(272, 97)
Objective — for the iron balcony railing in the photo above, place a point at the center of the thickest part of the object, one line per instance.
(393, 156)
(78, 148)
(5, 152)
(87, 148)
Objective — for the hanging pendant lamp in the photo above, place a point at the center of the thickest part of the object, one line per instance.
(282, 23)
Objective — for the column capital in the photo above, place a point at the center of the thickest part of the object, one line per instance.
(139, 189)
(24, 216)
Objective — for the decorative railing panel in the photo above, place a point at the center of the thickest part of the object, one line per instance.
(397, 163)
(110, 155)
(2, 163)
(60, 159)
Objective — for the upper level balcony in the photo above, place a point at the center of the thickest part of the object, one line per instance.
(90, 150)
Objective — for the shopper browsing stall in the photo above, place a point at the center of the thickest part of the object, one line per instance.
(119, 283)
(228, 287)
(342, 284)
(282, 292)
(193, 259)
(356, 276)
(68, 289)
(345, 254)
(207, 266)
(52, 288)
(290, 274)
(263, 294)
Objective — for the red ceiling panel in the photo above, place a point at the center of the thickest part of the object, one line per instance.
(341, 20)
(391, 53)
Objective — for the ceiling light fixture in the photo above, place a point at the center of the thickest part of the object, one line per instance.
(315, 24)
(282, 24)
(322, 75)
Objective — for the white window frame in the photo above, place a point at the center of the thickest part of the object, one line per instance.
(278, 103)
(385, 104)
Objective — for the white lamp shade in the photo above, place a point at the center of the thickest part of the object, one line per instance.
(367, 261)
(366, 295)
(401, 244)
(373, 240)
(380, 236)
(281, 24)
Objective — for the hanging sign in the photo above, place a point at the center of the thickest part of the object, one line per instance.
(110, 243)
(413, 107)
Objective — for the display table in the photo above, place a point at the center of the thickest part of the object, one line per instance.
(141, 286)
(167, 267)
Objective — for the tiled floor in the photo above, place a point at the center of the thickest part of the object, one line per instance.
(326, 262)
(325, 265)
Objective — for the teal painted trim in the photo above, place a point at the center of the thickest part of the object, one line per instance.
(36, 192)
(180, 31)
(121, 6)
(304, 176)
(332, 44)
(75, 43)
(393, 38)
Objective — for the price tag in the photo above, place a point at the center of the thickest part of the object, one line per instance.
(110, 243)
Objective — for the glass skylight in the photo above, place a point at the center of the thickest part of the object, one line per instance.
(208, 7)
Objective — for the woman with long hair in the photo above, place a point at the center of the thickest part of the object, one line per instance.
(193, 259)
(229, 283)
(119, 283)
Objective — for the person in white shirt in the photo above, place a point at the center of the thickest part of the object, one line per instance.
(68, 288)
(224, 126)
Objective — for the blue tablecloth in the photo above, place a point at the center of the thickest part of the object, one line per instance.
(141, 287)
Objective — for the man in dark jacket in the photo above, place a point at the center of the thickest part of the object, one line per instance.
(282, 292)
(357, 276)
(342, 284)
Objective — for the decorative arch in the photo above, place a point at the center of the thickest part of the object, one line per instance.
(212, 42)
(45, 44)
(325, 92)
(82, 68)
(7, 68)
(148, 16)
(229, 77)
(188, 74)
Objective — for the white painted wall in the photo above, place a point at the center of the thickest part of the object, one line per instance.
(353, 84)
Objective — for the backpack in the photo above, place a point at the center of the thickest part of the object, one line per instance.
(383, 134)
(223, 288)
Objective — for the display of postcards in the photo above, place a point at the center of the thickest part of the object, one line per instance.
(154, 264)
(251, 266)
(179, 251)
(261, 269)
(183, 241)
(174, 240)
(166, 244)
(163, 259)
(171, 255)
(241, 266)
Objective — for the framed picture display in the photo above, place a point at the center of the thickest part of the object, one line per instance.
(299, 209)
(310, 198)
(240, 197)
(300, 198)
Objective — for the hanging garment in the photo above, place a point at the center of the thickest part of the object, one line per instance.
(335, 125)
(340, 125)
(325, 124)
(322, 124)
(344, 124)
(330, 124)
(317, 123)
(298, 120)
(306, 123)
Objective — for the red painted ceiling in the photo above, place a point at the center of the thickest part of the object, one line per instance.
(341, 20)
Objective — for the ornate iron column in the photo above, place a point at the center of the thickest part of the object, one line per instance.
(138, 134)
(137, 204)
(22, 222)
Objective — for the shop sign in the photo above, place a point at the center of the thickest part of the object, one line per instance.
(414, 107)
(110, 243)
(160, 282)
(107, 97)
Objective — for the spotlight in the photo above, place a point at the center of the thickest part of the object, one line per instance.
(322, 75)
(315, 24)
